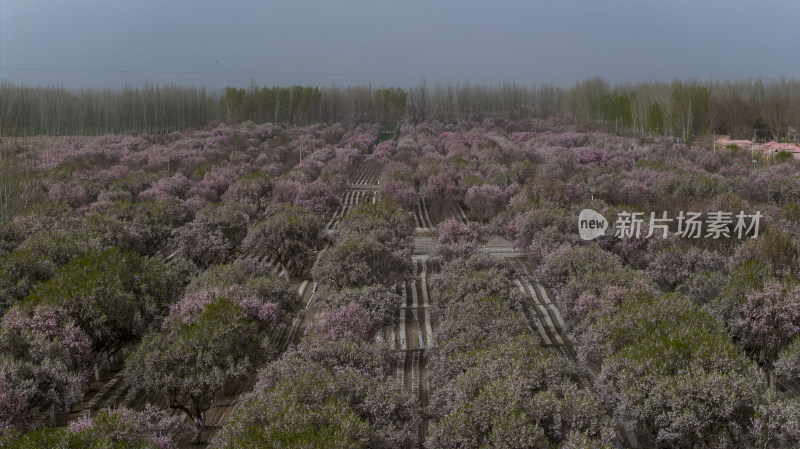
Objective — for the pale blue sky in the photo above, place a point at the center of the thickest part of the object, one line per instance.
(319, 42)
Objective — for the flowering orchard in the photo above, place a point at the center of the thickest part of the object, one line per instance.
(265, 285)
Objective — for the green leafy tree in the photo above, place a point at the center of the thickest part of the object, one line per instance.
(655, 118)
(783, 157)
(357, 262)
(118, 429)
(616, 107)
(673, 372)
(291, 234)
(392, 102)
(326, 394)
(194, 359)
(114, 296)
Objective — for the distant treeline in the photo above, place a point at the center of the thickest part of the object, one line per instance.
(742, 109)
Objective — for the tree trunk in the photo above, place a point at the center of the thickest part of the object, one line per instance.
(199, 426)
(771, 379)
(53, 415)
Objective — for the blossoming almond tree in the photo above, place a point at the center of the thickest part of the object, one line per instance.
(146, 429)
(767, 323)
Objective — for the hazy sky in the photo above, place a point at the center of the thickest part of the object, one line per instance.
(99, 43)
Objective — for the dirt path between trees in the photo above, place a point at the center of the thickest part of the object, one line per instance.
(413, 335)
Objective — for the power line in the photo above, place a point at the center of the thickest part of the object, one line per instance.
(364, 75)
(377, 75)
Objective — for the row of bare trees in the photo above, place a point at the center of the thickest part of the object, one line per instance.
(743, 109)
(17, 181)
(761, 109)
(27, 110)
